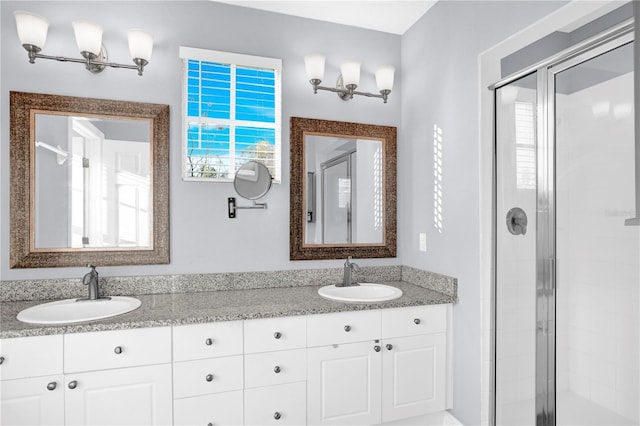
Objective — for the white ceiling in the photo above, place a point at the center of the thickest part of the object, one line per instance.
(391, 16)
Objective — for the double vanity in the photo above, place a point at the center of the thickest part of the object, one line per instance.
(255, 356)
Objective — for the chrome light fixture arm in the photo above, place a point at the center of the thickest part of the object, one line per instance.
(93, 63)
(349, 91)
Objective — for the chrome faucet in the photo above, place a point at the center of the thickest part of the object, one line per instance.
(91, 279)
(349, 268)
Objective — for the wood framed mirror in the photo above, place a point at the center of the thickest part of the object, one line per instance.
(343, 190)
(89, 182)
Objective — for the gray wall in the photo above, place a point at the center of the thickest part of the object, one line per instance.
(440, 78)
(203, 239)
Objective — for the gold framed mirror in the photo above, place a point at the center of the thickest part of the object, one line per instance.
(342, 190)
(89, 182)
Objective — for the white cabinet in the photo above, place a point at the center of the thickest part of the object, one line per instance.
(413, 376)
(344, 384)
(133, 381)
(32, 401)
(357, 367)
(394, 369)
(137, 394)
(216, 409)
(31, 381)
(127, 396)
(275, 371)
(208, 374)
(276, 405)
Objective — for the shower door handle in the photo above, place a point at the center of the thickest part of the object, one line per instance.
(517, 221)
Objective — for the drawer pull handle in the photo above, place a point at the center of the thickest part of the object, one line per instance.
(51, 386)
(277, 335)
(277, 415)
(389, 346)
(73, 384)
(277, 369)
(376, 348)
(1, 360)
(347, 328)
(118, 350)
(209, 378)
(416, 321)
(209, 341)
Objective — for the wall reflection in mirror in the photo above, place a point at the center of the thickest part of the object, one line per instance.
(92, 181)
(344, 200)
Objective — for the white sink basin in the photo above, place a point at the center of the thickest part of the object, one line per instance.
(71, 311)
(363, 293)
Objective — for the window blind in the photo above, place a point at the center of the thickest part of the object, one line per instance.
(231, 114)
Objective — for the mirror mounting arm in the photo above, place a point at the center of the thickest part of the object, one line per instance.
(233, 207)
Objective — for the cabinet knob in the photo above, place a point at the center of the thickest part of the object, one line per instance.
(389, 346)
(118, 350)
(73, 384)
(209, 424)
(1, 360)
(51, 386)
(416, 321)
(209, 341)
(277, 369)
(376, 348)
(277, 415)
(277, 335)
(209, 378)
(347, 328)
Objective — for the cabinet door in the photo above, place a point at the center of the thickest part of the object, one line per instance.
(343, 384)
(128, 396)
(275, 405)
(37, 401)
(413, 376)
(217, 409)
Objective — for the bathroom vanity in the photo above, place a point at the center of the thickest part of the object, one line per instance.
(315, 362)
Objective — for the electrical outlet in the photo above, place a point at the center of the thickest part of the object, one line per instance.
(423, 241)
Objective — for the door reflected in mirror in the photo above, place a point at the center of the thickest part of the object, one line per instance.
(344, 190)
(92, 181)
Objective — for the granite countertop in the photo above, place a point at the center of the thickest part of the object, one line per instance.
(210, 306)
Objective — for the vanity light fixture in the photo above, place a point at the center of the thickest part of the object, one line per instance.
(32, 32)
(349, 78)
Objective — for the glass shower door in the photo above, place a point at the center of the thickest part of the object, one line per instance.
(598, 257)
(516, 289)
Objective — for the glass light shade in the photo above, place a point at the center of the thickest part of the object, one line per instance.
(384, 78)
(32, 29)
(314, 65)
(88, 36)
(350, 73)
(140, 44)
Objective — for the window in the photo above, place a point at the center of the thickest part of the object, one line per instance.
(230, 114)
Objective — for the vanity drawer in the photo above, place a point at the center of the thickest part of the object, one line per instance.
(415, 320)
(102, 350)
(276, 405)
(274, 368)
(30, 356)
(199, 341)
(275, 334)
(205, 376)
(218, 409)
(343, 327)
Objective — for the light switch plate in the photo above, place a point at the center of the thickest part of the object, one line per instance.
(423, 241)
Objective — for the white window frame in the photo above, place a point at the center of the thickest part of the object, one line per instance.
(233, 59)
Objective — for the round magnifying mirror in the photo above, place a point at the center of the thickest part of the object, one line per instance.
(252, 180)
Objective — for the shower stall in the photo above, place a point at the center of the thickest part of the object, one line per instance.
(567, 238)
